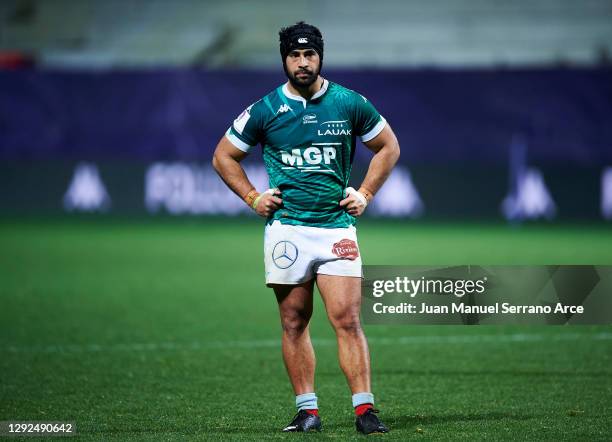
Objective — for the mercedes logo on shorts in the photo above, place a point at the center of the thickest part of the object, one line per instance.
(284, 254)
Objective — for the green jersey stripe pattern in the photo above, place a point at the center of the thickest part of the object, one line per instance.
(308, 148)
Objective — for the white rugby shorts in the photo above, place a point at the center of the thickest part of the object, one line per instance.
(295, 254)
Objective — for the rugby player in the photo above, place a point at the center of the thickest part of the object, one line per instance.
(307, 128)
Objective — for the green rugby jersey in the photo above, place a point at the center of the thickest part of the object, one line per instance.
(308, 148)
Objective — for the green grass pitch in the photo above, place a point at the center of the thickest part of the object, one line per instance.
(163, 330)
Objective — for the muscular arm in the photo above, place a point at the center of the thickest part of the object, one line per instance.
(386, 153)
(226, 161)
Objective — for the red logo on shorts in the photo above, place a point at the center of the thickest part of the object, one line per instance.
(346, 248)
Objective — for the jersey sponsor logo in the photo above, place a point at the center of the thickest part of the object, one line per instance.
(312, 155)
(302, 40)
(283, 108)
(309, 119)
(334, 127)
(346, 248)
(284, 254)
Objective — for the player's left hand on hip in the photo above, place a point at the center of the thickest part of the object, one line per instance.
(355, 201)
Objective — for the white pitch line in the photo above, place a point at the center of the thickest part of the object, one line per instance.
(275, 343)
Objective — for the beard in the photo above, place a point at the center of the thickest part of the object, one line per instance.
(303, 78)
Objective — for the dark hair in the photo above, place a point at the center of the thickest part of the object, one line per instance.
(300, 36)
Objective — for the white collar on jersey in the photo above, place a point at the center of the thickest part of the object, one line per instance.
(319, 93)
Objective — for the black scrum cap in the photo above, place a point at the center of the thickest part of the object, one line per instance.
(300, 36)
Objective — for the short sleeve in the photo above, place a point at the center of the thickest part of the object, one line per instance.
(244, 133)
(367, 121)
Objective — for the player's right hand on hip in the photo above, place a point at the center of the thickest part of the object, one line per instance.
(268, 202)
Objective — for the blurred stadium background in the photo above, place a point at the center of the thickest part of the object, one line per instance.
(131, 279)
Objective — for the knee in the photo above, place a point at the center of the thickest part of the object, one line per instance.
(347, 324)
(294, 325)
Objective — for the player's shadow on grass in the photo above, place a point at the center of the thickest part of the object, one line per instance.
(330, 425)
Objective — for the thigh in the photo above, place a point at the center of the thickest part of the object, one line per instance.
(341, 295)
(294, 301)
